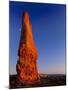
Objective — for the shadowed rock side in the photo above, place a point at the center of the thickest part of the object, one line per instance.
(27, 63)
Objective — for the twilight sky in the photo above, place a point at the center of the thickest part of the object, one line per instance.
(48, 27)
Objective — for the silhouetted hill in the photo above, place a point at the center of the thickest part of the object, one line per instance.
(46, 80)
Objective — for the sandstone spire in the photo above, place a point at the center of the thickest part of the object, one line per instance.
(27, 63)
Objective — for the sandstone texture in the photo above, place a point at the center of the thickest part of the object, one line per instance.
(26, 67)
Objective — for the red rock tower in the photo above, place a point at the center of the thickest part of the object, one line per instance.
(27, 63)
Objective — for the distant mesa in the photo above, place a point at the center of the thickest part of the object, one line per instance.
(26, 66)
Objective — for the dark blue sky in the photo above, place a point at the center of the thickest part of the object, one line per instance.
(48, 27)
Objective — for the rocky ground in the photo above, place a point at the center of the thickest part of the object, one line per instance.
(46, 80)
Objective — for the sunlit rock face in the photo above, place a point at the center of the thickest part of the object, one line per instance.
(27, 63)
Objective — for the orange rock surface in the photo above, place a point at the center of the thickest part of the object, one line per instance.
(27, 63)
